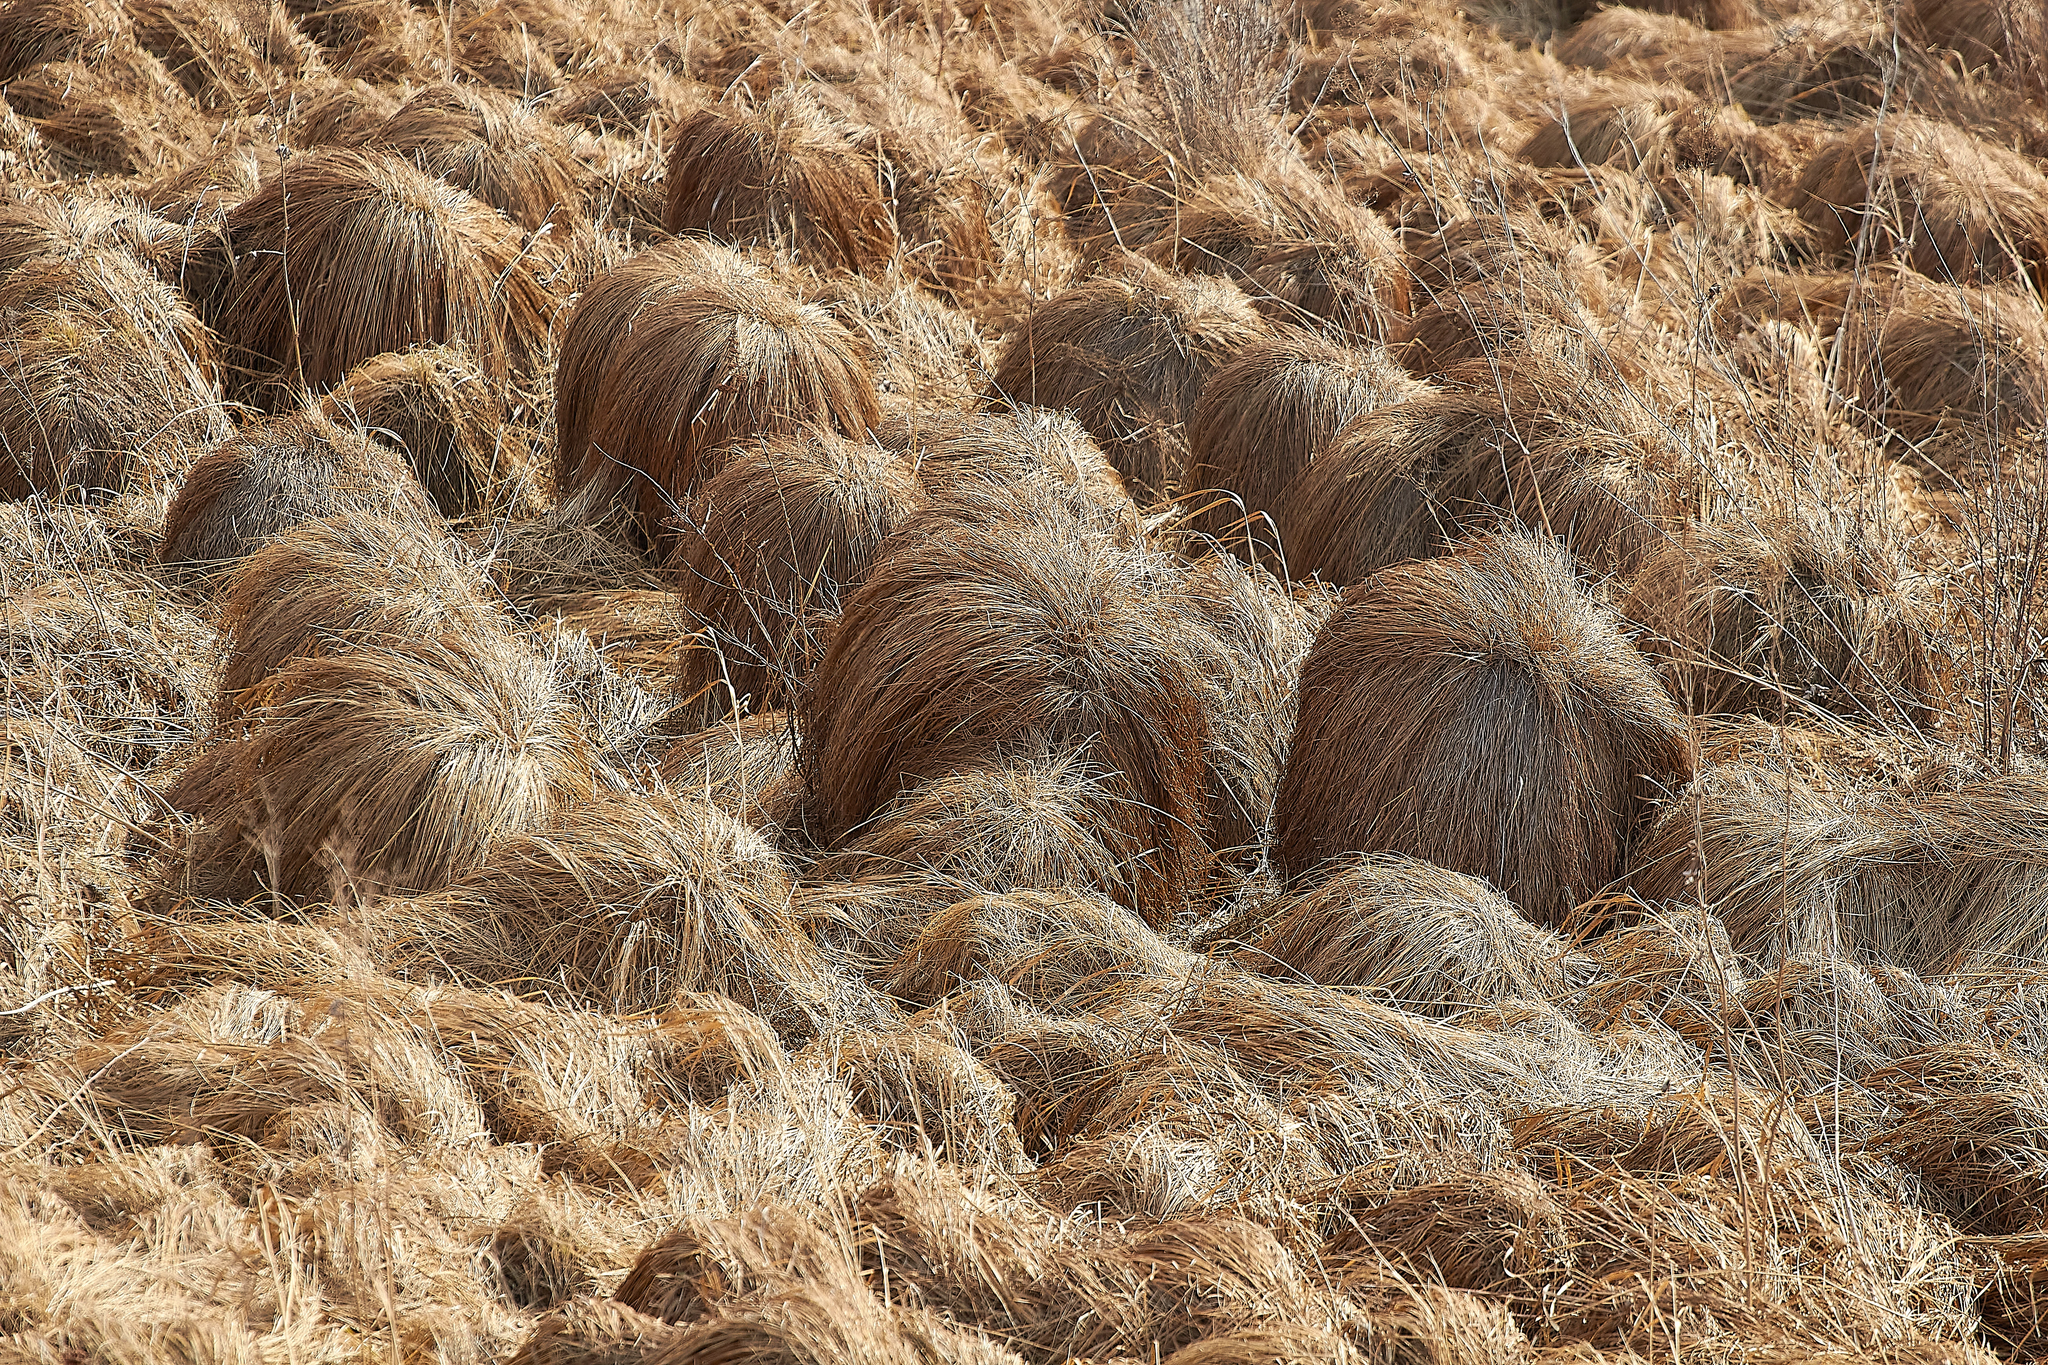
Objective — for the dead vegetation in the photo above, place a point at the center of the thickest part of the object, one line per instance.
(1206, 682)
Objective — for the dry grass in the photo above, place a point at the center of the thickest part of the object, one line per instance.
(683, 352)
(323, 586)
(779, 173)
(1111, 944)
(1778, 617)
(1263, 418)
(774, 542)
(1482, 712)
(391, 770)
(277, 473)
(1130, 352)
(976, 643)
(1561, 450)
(106, 377)
(343, 255)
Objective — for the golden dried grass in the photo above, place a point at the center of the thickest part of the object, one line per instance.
(509, 157)
(1129, 352)
(1958, 209)
(1303, 255)
(781, 173)
(345, 254)
(1549, 445)
(1431, 941)
(1779, 615)
(106, 379)
(620, 903)
(1484, 713)
(995, 829)
(682, 352)
(976, 643)
(773, 543)
(393, 769)
(452, 423)
(326, 585)
(277, 473)
(1262, 419)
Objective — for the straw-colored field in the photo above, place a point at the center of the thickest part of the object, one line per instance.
(1173, 682)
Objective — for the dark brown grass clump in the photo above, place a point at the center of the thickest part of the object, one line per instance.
(284, 470)
(1956, 208)
(1130, 352)
(778, 174)
(684, 351)
(1770, 617)
(392, 770)
(106, 380)
(349, 579)
(1483, 713)
(516, 161)
(1435, 942)
(774, 541)
(343, 255)
(1263, 417)
(450, 420)
(1547, 444)
(980, 642)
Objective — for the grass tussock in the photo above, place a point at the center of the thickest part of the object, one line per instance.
(1204, 682)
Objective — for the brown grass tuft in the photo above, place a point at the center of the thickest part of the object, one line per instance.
(746, 767)
(1956, 208)
(351, 579)
(781, 173)
(106, 382)
(619, 904)
(1260, 633)
(1547, 444)
(976, 643)
(1130, 352)
(1939, 883)
(1302, 254)
(2008, 36)
(1055, 948)
(1772, 616)
(926, 1097)
(773, 542)
(592, 1331)
(1649, 130)
(1481, 712)
(1434, 942)
(434, 404)
(393, 770)
(343, 255)
(281, 471)
(993, 829)
(684, 351)
(1922, 357)
(1262, 419)
(514, 160)
(1018, 455)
